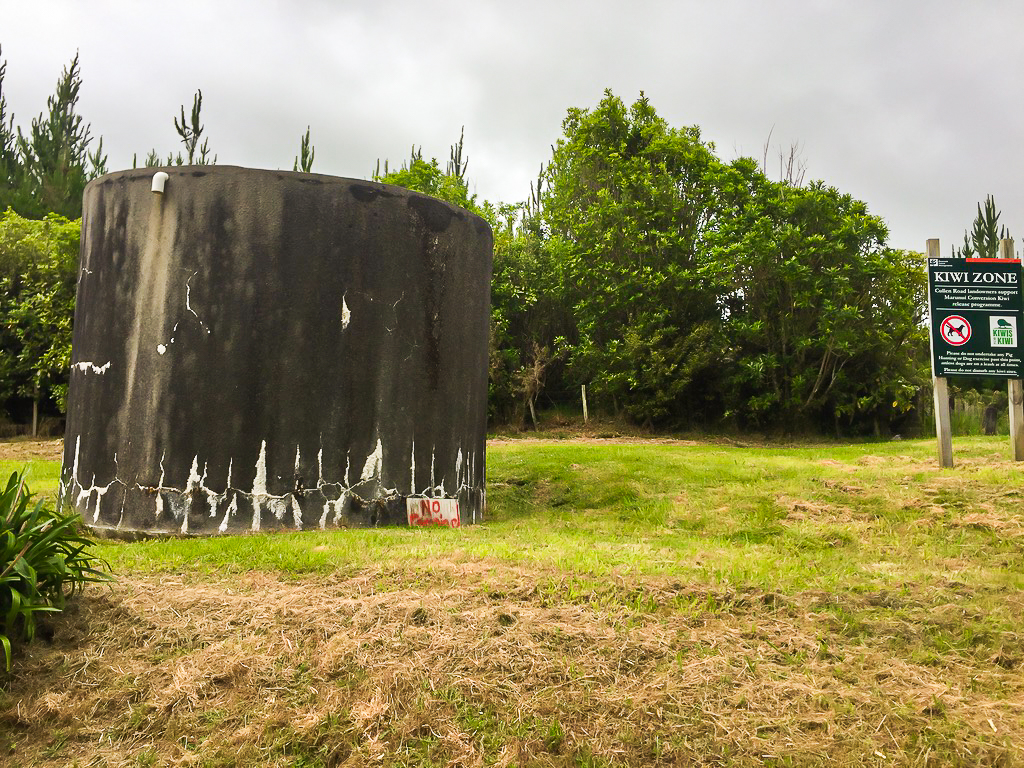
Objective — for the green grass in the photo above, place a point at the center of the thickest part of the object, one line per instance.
(774, 517)
(843, 519)
(43, 477)
(797, 594)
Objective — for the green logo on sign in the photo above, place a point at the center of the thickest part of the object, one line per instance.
(1003, 331)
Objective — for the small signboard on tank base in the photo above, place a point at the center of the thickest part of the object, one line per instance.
(975, 309)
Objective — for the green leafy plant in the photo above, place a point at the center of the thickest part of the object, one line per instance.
(44, 560)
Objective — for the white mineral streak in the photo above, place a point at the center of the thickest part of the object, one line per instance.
(346, 315)
(339, 506)
(372, 467)
(195, 483)
(74, 466)
(278, 506)
(259, 487)
(412, 469)
(159, 487)
(83, 494)
(99, 497)
(262, 500)
(213, 498)
(194, 479)
(86, 367)
(229, 513)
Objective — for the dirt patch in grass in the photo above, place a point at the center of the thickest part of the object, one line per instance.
(488, 664)
(871, 460)
(27, 449)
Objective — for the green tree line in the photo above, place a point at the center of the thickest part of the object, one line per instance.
(685, 291)
(682, 290)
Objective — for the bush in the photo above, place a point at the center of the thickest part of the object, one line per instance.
(43, 561)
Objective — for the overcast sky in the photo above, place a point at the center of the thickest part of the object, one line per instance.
(913, 107)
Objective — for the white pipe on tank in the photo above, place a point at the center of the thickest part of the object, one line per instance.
(159, 179)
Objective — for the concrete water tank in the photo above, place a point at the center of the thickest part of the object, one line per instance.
(263, 350)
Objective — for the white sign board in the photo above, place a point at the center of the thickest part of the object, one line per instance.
(425, 512)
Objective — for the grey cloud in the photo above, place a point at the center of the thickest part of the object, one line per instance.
(911, 106)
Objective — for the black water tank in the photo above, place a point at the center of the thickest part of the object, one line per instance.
(258, 350)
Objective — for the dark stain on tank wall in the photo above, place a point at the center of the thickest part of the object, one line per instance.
(259, 352)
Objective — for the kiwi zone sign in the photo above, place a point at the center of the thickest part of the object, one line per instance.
(975, 307)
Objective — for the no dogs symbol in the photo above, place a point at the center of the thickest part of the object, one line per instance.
(955, 330)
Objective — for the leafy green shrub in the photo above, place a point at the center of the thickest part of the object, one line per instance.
(43, 561)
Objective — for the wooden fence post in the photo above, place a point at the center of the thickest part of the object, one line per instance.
(1014, 387)
(943, 429)
(1015, 390)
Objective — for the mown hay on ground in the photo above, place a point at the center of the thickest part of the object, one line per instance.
(487, 664)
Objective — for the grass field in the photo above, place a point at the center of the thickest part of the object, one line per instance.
(628, 602)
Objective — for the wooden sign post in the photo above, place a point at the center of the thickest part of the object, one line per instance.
(976, 319)
(1014, 387)
(940, 388)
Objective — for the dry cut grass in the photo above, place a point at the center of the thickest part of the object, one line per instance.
(484, 663)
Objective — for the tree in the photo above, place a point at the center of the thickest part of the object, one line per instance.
(983, 239)
(702, 290)
(532, 328)
(427, 177)
(304, 162)
(11, 171)
(190, 131)
(38, 275)
(55, 153)
(628, 204)
(824, 320)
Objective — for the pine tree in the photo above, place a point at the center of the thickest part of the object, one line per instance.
(190, 133)
(10, 164)
(983, 240)
(55, 152)
(304, 162)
